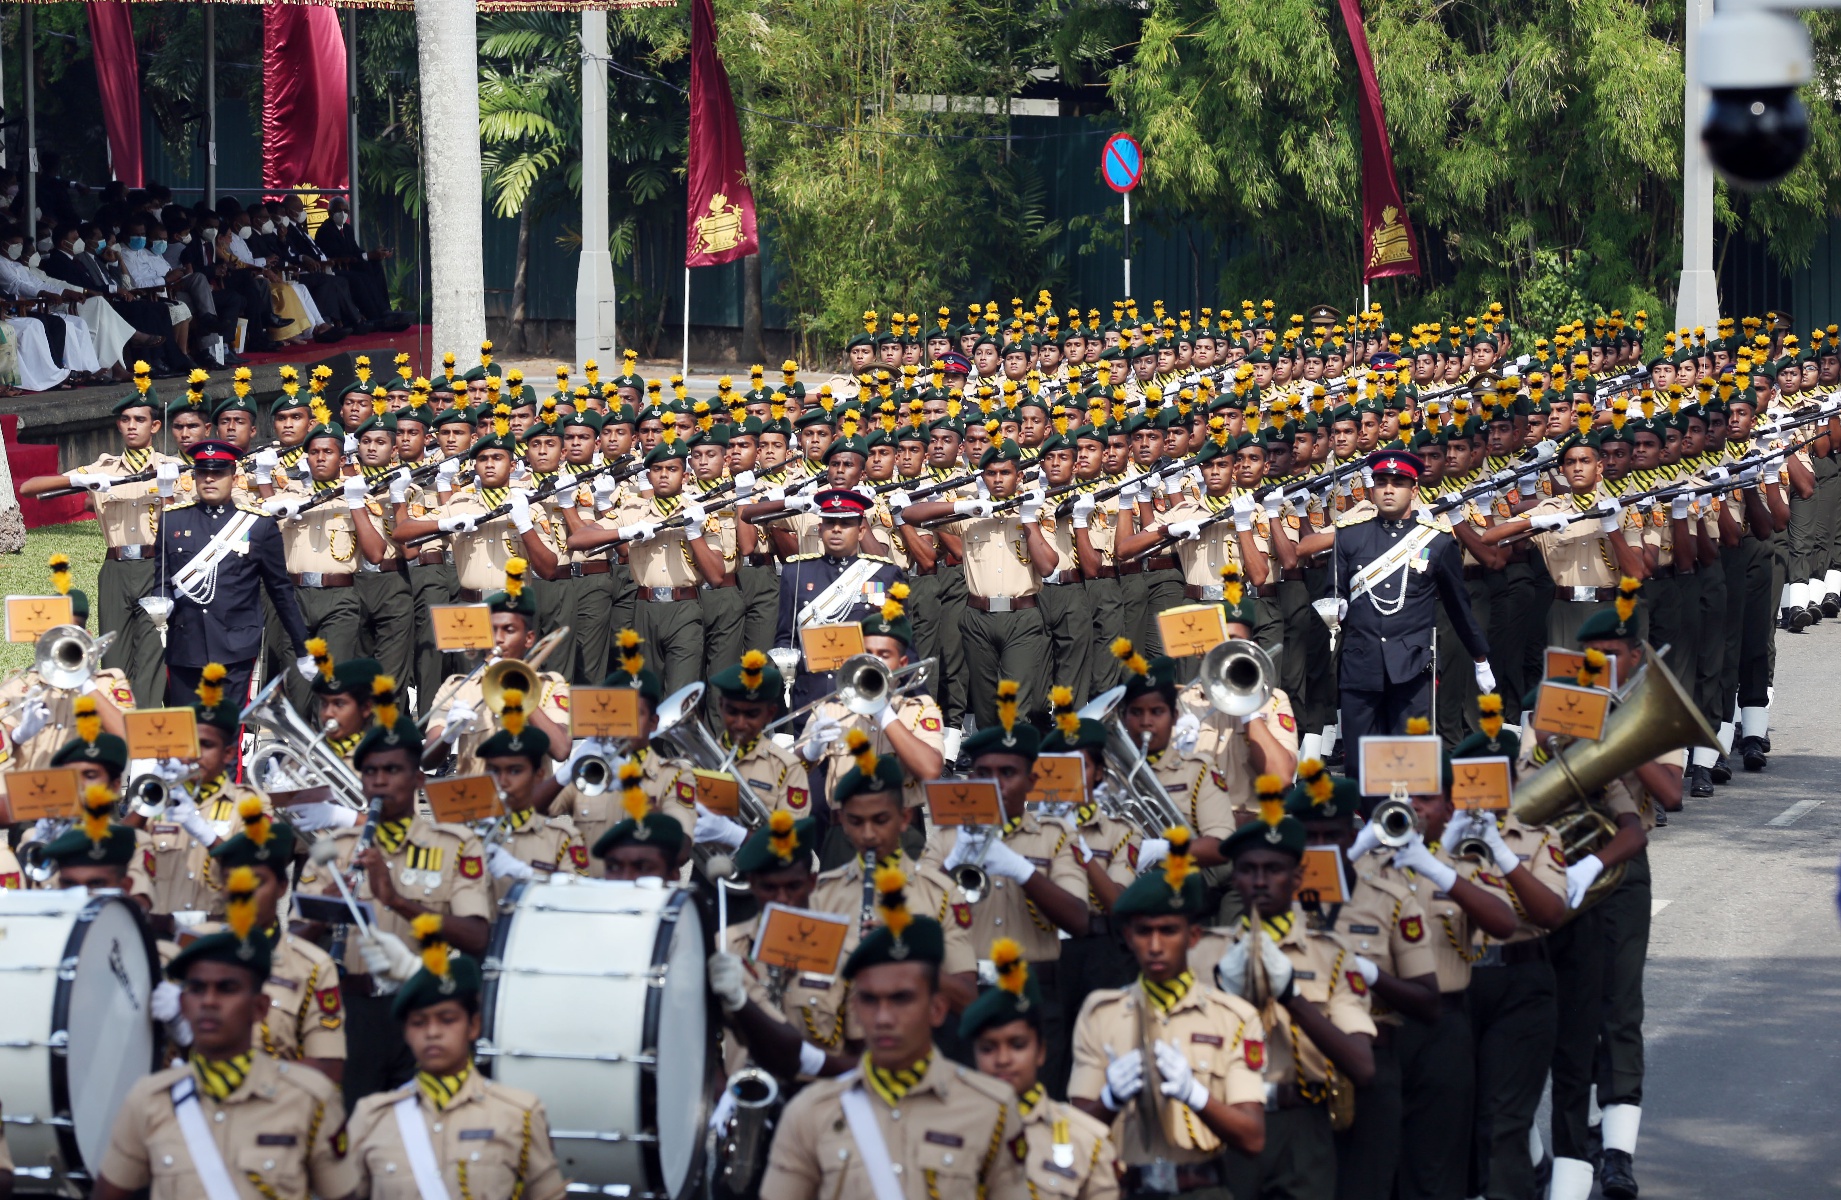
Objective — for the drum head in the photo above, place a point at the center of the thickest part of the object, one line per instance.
(677, 1013)
(102, 1007)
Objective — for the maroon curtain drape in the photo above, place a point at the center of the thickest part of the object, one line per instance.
(720, 217)
(303, 98)
(1388, 245)
(118, 82)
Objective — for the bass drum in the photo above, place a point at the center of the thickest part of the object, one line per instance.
(76, 975)
(595, 1000)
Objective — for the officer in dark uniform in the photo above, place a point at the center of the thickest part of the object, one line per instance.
(1388, 616)
(805, 577)
(227, 628)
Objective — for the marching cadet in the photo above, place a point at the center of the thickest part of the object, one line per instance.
(1006, 559)
(1313, 1004)
(834, 587)
(789, 1024)
(430, 567)
(282, 1125)
(450, 1131)
(465, 718)
(407, 865)
(669, 784)
(35, 719)
(583, 600)
(910, 727)
(129, 514)
(1149, 714)
(386, 602)
(1067, 615)
(1037, 887)
(1374, 923)
(525, 844)
(1264, 742)
(1069, 1151)
(346, 695)
(1204, 1048)
(646, 843)
(724, 605)
(752, 694)
(908, 1123)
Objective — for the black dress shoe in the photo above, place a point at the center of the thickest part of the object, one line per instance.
(1799, 620)
(1702, 784)
(1751, 750)
(1616, 1179)
(1721, 771)
(1831, 606)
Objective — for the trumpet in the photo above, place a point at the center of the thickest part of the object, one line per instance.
(1397, 822)
(593, 774)
(1238, 677)
(970, 877)
(866, 687)
(32, 860)
(151, 790)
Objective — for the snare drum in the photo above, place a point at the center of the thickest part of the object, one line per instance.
(595, 1001)
(76, 974)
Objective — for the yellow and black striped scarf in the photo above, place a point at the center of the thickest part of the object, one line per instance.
(442, 1089)
(518, 818)
(492, 497)
(1167, 996)
(1029, 1099)
(133, 461)
(1277, 926)
(392, 834)
(892, 1086)
(343, 746)
(217, 1078)
(211, 799)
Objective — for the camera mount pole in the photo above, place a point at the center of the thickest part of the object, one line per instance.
(1697, 301)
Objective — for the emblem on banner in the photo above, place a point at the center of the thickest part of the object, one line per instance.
(719, 229)
(1392, 244)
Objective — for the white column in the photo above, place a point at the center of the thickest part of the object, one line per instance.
(594, 274)
(447, 49)
(211, 105)
(1698, 302)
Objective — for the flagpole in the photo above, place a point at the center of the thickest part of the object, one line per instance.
(686, 370)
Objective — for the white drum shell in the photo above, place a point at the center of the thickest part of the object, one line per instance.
(595, 1001)
(76, 976)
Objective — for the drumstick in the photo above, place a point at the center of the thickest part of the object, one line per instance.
(325, 852)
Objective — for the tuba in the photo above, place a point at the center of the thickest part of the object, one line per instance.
(291, 755)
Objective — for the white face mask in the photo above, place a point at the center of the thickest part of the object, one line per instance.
(76, 247)
(185, 239)
(286, 221)
(268, 227)
(44, 244)
(244, 232)
(339, 219)
(33, 261)
(14, 250)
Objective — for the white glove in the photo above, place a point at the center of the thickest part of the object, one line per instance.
(1188, 729)
(321, 814)
(463, 523)
(306, 666)
(460, 718)
(1004, 863)
(353, 489)
(898, 500)
(388, 957)
(1484, 826)
(967, 841)
(1030, 510)
(1179, 1081)
(166, 479)
(564, 482)
(1528, 485)
(445, 473)
(1231, 971)
(744, 484)
(1548, 522)
(972, 508)
(31, 721)
(1083, 510)
(563, 771)
(1184, 531)
(1774, 471)
(1369, 972)
(820, 733)
(1580, 877)
(99, 484)
(719, 830)
(1278, 967)
(800, 502)
(694, 516)
(771, 496)
(1083, 853)
(1486, 678)
(1367, 838)
(1718, 474)
(641, 531)
(728, 978)
(1416, 857)
(520, 472)
(604, 489)
(1679, 506)
(399, 487)
(1610, 513)
(186, 815)
(284, 508)
(164, 1003)
(811, 1059)
(724, 1109)
(505, 865)
(351, 444)
(1151, 852)
(1157, 485)
(1124, 1079)
(1273, 505)
(267, 460)
(1243, 513)
(518, 505)
(1129, 494)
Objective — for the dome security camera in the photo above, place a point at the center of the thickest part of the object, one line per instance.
(1753, 62)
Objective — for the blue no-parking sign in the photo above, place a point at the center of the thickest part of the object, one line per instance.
(1122, 162)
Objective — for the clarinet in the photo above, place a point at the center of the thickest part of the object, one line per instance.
(354, 875)
(866, 920)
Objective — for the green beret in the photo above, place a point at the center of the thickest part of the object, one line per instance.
(923, 941)
(758, 853)
(812, 416)
(656, 830)
(136, 399)
(224, 716)
(768, 684)
(349, 678)
(1090, 733)
(999, 1006)
(1160, 677)
(491, 441)
(886, 778)
(383, 421)
(182, 404)
(324, 433)
(844, 445)
(1287, 837)
(79, 606)
(405, 735)
(242, 404)
(107, 749)
(1023, 740)
(620, 414)
(530, 744)
(453, 416)
(1150, 895)
(1481, 745)
(425, 988)
(253, 955)
(523, 604)
(666, 451)
(645, 683)
(1002, 450)
(1606, 624)
(1342, 805)
(73, 848)
(243, 851)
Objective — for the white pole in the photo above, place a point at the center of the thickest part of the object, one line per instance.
(447, 49)
(351, 115)
(211, 105)
(594, 271)
(686, 324)
(1126, 196)
(28, 40)
(1697, 301)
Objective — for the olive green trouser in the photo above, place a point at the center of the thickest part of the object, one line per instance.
(387, 613)
(1668, 600)
(137, 650)
(1298, 1163)
(333, 614)
(1108, 603)
(760, 605)
(1320, 663)
(1624, 916)
(585, 606)
(623, 601)
(1512, 1015)
(1368, 1151)
(552, 600)
(1067, 615)
(672, 635)
(1162, 589)
(430, 586)
(1828, 492)
(1578, 953)
(929, 629)
(1751, 678)
(724, 611)
(1012, 645)
(954, 699)
(1457, 671)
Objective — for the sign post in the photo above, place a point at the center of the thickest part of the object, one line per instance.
(1122, 163)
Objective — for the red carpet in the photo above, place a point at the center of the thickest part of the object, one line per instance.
(28, 460)
(381, 347)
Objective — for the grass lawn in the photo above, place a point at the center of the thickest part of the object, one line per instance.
(25, 574)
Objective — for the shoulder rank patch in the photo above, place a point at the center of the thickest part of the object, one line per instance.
(1255, 1053)
(962, 913)
(1019, 1146)
(1287, 723)
(687, 792)
(1219, 779)
(930, 724)
(797, 798)
(470, 866)
(1412, 928)
(1357, 984)
(578, 856)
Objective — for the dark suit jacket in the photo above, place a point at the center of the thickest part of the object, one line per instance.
(1380, 649)
(229, 630)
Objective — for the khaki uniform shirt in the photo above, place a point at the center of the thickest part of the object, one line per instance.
(1202, 558)
(548, 845)
(776, 775)
(1455, 945)
(1576, 556)
(930, 893)
(491, 1140)
(669, 783)
(955, 1134)
(38, 751)
(1102, 523)
(1219, 1034)
(463, 689)
(920, 713)
(1539, 851)
(1114, 843)
(1224, 741)
(322, 540)
(997, 556)
(665, 560)
(1005, 911)
(480, 556)
(813, 1004)
(1070, 1154)
(441, 867)
(1384, 922)
(1626, 794)
(280, 1133)
(306, 1018)
(184, 878)
(12, 878)
(130, 514)
(1199, 790)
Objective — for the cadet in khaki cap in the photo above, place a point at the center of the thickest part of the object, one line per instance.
(476, 1137)
(1170, 1062)
(908, 1124)
(232, 1122)
(1069, 1152)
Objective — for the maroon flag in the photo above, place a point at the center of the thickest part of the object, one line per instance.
(1388, 246)
(303, 99)
(720, 215)
(118, 82)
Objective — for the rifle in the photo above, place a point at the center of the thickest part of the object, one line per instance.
(543, 492)
(1004, 505)
(138, 477)
(677, 520)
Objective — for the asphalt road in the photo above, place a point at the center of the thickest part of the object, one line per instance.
(1743, 990)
